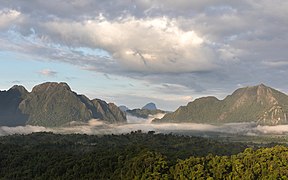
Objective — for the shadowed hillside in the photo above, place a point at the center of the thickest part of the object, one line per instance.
(53, 104)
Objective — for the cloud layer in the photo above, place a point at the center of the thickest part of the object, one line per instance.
(100, 128)
(202, 46)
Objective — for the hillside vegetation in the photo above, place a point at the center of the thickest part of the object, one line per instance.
(53, 104)
(136, 156)
(260, 104)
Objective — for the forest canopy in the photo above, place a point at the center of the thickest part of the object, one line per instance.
(136, 156)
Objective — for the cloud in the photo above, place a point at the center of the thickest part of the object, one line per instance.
(276, 64)
(203, 46)
(8, 17)
(139, 45)
(281, 129)
(48, 73)
(95, 122)
(4, 131)
(16, 82)
(95, 127)
(134, 120)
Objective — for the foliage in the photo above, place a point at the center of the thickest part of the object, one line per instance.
(51, 105)
(260, 104)
(135, 156)
(264, 163)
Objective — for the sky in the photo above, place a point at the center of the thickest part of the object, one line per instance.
(132, 52)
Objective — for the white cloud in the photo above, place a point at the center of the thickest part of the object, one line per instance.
(133, 119)
(4, 130)
(276, 63)
(48, 72)
(94, 127)
(141, 45)
(8, 17)
(95, 122)
(281, 129)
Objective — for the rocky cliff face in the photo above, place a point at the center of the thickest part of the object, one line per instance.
(260, 104)
(55, 104)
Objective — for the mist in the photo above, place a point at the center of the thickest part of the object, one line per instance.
(96, 127)
(134, 119)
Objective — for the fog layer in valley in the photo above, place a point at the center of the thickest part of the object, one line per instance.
(97, 127)
(134, 119)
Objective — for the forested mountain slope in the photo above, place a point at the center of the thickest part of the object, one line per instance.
(53, 104)
(260, 104)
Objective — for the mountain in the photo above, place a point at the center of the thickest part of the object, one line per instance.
(55, 104)
(10, 114)
(145, 111)
(260, 104)
(123, 108)
(150, 106)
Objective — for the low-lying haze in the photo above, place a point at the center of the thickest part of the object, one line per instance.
(95, 127)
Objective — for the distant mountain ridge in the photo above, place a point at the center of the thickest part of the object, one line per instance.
(123, 108)
(150, 106)
(261, 104)
(53, 104)
(145, 111)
